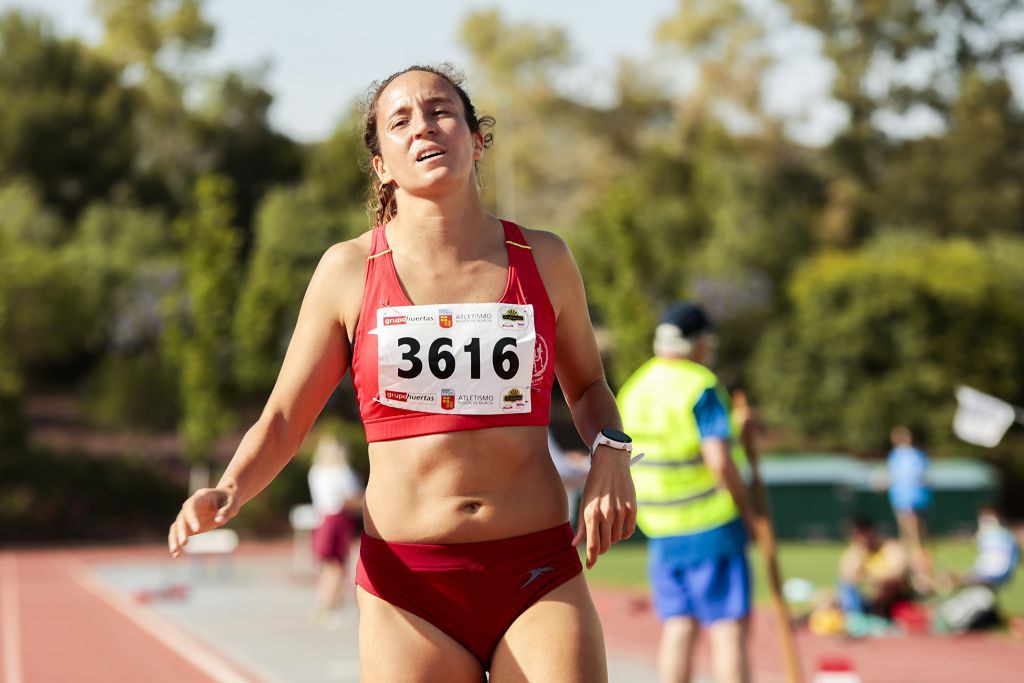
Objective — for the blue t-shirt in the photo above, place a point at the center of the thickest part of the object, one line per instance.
(721, 541)
(908, 487)
(712, 418)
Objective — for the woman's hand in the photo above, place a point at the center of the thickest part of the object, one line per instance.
(204, 510)
(608, 505)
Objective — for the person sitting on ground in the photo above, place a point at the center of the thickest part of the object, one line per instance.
(873, 572)
(998, 553)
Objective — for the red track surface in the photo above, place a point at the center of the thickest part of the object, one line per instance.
(54, 628)
(630, 626)
(67, 631)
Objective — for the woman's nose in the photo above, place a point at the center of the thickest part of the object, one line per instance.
(423, 125)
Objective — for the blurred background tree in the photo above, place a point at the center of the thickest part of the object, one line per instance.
(883, 336)
(198, 334)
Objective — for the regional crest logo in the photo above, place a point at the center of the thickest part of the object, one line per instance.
(447, 399)
(444, 317)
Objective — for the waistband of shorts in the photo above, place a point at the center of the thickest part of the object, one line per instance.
(483, 551)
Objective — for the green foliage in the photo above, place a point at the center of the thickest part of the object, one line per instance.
(338, 169)
(46, 315)
(126, 259)
(629, 277)
(949, 60)
(198, 337)
(517, 53)
(293, 230)
(552, 155)
(882, 336)
(140, 31)
(710, 222)
(11, 425)
(725, 41)
(967, 181)
(136, 393)
(65, 124)
(46, 496)
(234, 133)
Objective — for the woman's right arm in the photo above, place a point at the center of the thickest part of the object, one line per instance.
(316, 360)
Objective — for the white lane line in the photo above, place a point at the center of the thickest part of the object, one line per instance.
(196, 653)
(9, 627)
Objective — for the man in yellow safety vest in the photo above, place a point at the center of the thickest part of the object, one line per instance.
(692, 502)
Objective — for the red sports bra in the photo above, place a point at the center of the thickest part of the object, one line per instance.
(384, 291)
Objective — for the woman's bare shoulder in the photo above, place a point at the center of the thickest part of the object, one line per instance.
(342, 273)
(346, 260)
(548, 248)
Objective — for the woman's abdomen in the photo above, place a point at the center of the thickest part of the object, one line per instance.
(463, 487)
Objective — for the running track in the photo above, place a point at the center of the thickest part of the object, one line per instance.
(630, 627)
(58, 623)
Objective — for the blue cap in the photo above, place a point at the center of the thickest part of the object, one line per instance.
(688, 317)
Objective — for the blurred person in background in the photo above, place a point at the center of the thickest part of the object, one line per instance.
(998, 555)
(337, 496)
(693, 504)
(874, 572)
(998, 551)
(910, 497)
(467, 563)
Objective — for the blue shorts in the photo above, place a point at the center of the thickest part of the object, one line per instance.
(707, 591)
(910, 499)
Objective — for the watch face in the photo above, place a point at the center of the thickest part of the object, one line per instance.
(616, 435)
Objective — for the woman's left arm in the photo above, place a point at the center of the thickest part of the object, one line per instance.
(608, 512)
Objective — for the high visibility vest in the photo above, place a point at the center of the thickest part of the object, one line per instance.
(676, 493)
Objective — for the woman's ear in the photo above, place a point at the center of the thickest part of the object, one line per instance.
(478, 146)
(381, 170)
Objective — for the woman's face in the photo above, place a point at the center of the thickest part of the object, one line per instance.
(426, 146)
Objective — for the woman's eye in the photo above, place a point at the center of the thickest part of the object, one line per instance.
(397, 123)
(440, 112)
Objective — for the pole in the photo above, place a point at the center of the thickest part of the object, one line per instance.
(766, 541)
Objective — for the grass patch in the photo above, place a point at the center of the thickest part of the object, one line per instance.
(625, 566)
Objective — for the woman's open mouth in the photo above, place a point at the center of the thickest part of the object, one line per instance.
(429, 153)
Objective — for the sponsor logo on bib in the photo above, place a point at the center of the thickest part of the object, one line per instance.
(475, 400)
(512, 398)
(394, 320)
(444, 317)
(473, 318)
(396, 395)
(512, 318)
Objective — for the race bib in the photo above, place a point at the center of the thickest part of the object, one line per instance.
(467, 359)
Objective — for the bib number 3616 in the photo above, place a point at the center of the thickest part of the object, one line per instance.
(473, 359)
(441, 360)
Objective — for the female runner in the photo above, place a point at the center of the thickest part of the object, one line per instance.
(453, 323)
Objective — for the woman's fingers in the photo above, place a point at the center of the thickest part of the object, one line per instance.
(604, 526)
(226, 510)
(607, 517)
(204, 510)
(629, 523)
(192, 518)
